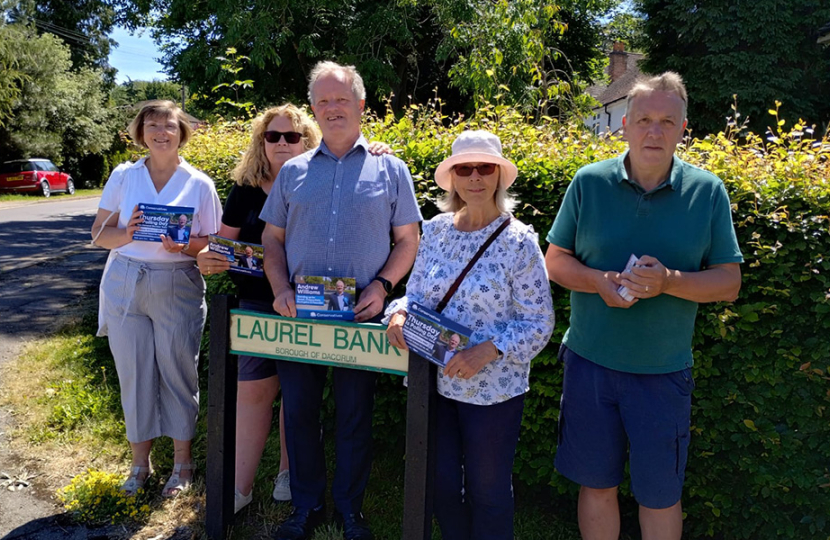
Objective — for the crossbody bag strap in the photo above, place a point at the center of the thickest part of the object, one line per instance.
(446, 300)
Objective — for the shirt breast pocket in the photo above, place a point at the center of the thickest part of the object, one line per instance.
(371, 188)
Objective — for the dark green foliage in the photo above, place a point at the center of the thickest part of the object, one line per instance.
(628, 28)
(406, 48)
(762, 51)
(132, 92)
(83, 25)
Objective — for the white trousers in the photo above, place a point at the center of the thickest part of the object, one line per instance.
(154, 314)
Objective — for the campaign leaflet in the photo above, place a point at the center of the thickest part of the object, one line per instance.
(324, 297)
(245, 258)
(623, 291)
(433, 336)
(159, 219)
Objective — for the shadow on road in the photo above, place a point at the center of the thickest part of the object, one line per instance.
(22, 240)
(33, 297)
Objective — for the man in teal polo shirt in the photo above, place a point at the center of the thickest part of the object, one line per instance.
(627, 388)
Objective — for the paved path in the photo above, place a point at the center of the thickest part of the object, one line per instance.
(41, 287)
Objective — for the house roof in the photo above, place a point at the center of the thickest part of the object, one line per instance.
(618, 89)
(824, 33)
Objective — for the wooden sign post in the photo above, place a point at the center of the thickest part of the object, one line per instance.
(336, 343)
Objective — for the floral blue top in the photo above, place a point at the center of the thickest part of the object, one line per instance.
(505, 298)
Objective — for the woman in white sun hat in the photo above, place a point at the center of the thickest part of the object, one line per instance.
(505, 301)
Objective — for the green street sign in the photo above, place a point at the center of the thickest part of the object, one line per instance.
(333, 343)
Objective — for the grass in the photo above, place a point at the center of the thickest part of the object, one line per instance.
(64, 393)
(36, 196)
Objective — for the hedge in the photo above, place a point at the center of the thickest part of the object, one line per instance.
(759, 464)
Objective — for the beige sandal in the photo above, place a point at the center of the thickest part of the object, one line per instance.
(177, 485)
(135, 482)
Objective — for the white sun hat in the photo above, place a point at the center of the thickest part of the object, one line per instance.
(476, 147)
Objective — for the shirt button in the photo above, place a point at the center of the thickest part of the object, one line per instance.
(331, 239)
(333, 212)
(337, 185)
(329, 269)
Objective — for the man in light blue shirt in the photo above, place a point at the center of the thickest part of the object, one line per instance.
(333, 211)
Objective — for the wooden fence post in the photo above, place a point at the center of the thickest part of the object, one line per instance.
(420, 449)
(221, 420)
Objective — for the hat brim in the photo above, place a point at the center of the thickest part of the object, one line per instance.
(508, 173)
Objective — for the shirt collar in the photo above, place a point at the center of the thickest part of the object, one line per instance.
(323, 149)
(674, 180)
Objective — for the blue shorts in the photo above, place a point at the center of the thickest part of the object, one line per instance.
(256, 368)
(607, 416)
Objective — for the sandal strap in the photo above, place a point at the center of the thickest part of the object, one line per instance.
(176, 484)
(136, 470)
(178, 467)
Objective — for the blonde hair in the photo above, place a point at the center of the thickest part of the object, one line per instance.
(665, 82)
(350, 72)
(160, 109)
(253, 169)
(452, 202)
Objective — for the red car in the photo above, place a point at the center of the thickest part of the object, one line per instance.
(39, 175)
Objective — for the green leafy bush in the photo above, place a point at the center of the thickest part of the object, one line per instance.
(759, 464)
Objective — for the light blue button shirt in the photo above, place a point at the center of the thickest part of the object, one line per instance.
(338, 213)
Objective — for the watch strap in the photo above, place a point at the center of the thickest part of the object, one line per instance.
(387, 285)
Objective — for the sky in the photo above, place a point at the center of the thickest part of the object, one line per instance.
(135, 57)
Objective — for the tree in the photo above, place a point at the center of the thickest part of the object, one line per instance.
(759, 50)
(388, 41)
(132, 92)
(627, 27)
(83, 25)
(59, 113)
(11, 74)
(407, 48)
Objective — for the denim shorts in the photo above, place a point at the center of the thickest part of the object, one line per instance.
(609, 416)
(256, 368)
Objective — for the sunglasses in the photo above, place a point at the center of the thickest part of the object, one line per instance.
(291, 137)
(484, 169)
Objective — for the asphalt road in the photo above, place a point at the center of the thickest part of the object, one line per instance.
(36, 232)
(46, 269)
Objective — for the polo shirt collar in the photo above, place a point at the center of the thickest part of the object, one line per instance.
(323, 149)
(675, 176)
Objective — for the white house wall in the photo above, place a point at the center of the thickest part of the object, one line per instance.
(598, 121)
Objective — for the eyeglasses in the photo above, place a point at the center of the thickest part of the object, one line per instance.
(291, 137)
(484, 169)
(170, 127)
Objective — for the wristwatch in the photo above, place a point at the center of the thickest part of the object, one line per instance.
(387, 286)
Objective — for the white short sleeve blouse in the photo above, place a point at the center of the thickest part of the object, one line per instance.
(130, 184)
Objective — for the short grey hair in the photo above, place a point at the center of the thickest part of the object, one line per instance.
(452, 202)
(665, 82)
(350, 72)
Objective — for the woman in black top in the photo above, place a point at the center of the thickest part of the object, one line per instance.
(279, 134)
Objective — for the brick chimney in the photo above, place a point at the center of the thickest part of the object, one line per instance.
(618, 61)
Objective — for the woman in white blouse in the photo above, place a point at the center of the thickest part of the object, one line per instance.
(152, 304)
(505, 300)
